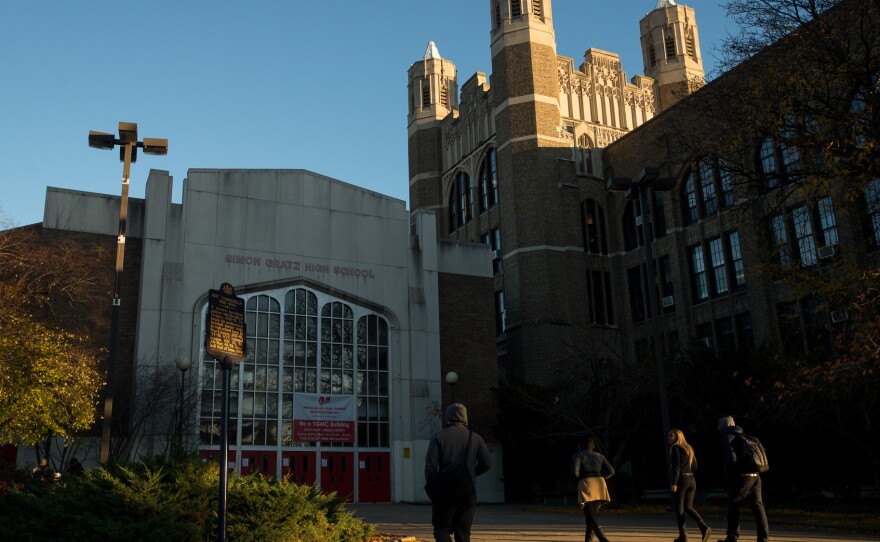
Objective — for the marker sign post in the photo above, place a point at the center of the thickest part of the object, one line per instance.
(225, 342)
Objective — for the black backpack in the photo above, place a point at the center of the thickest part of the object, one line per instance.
(752, 457)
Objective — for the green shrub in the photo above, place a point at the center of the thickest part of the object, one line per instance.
(159, 501)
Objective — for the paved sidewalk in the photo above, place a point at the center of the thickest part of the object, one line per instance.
(506, 522)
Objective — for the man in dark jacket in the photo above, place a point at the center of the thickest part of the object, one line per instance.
(455, 515)
(741, 484)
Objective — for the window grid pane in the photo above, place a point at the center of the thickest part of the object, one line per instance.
(716, 252)
(739, 270)
(698, 267)
(828, 221)
(803, 231)
(780, 239)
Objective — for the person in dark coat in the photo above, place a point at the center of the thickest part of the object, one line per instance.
(591, 469)
(682, 464)
(455, 516)
(742, 486)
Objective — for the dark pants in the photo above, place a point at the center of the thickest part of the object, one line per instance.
(684, 502)
(453, 517)
(591, 517)
(746, 488)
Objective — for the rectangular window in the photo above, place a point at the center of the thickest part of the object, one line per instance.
(724, 328)
(515, 8)
(780, 239)
(744, 329)
(691, 214)
(739, 269)
(827, 221)
(636, 294)
(601, 310)
(719, 271)
(500, 314)
(790, 328)
(803, 233)
(493, 239)
(699, 282)
(872, 209)
(704, 335)
(595, 240)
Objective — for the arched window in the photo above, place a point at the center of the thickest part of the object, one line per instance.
(707, 187)
(585, 155)
(460, 201)
(689, 196)
(488, 182)
(305, 345)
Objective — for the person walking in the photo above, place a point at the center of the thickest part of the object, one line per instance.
(452, 509)
(682, 464)
(591, 469)
(743, 485)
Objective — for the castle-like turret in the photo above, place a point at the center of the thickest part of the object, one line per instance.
(671, 51)
(433, 94)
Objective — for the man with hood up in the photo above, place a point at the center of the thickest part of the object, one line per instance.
(444, 452)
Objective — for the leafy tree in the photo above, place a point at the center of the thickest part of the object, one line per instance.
(49, 371)
(48, 381)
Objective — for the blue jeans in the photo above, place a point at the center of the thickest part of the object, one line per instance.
(453, 518)
(746, 488)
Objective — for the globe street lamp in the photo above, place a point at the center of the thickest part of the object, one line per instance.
(451, 379)
(128, 146)
(183, 364)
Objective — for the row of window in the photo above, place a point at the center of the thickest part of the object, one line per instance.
(808, 232)
(461, 197)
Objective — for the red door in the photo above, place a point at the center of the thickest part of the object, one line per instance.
(212, 455)
(299, 467)
(337, 474)
(374, 477)
(260, 462)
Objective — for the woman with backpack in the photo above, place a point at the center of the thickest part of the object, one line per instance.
(682, 464)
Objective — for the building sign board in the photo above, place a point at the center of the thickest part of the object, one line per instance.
(225, 337)
(323, 418)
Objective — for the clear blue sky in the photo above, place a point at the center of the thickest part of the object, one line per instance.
(249, 84)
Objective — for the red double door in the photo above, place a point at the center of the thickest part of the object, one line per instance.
(337, 470)
(373, 475)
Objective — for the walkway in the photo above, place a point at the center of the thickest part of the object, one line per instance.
(525, 523)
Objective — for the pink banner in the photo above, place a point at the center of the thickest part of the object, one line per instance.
(323, 418)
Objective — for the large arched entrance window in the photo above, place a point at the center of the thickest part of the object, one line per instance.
(300, 341)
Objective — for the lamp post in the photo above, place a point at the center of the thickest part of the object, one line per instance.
(183, 364)
(649, 178)
(128, 145)
(451, 379)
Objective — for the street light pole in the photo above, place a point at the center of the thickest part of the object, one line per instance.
(183, 365)
(128, 145)
(451, 379)
(649, 178)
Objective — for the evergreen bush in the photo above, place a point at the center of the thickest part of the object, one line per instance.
(162, 501)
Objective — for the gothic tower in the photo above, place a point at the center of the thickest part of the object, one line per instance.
(671, 51)
(433, 94)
